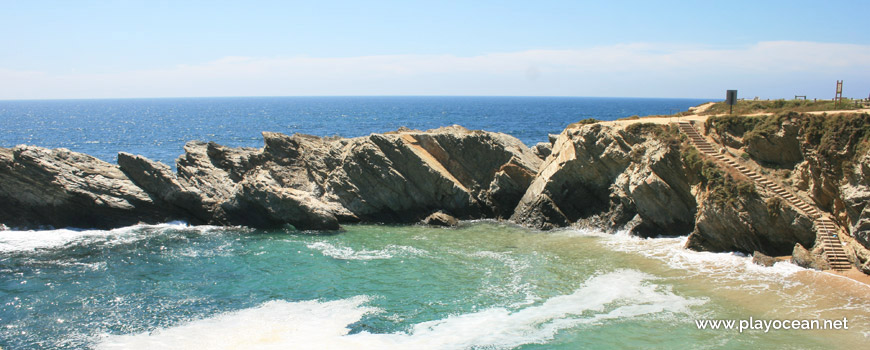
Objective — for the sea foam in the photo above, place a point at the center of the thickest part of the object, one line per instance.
(337, 251)
(324, 324)
(29, 240)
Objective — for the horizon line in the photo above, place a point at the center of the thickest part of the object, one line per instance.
(349, 96)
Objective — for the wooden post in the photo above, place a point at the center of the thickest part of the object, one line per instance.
(838, 97)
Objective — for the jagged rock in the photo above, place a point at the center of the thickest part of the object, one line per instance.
(278, 205)
(61, 188)
(750, 225)
(855, 194)
(314, 183)
(441, 219)
(760, 258)
(305, 181)
(161, 183)
(802, 257)
(606, 173)
(551, 138)
(543, 149)
(201, 170)
(861, 228)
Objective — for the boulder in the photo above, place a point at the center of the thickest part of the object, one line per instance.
(760, 258)
(441, 219)
(804, 258)
(543, 149)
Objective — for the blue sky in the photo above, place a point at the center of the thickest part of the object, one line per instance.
(102, 49)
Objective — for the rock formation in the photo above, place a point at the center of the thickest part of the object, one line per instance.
(43, 187)
(612, 176)
(748, 225)
(759, 258)
(824, 159)
(440, 219)
(643, 177)
(802, 257)
(305, 181)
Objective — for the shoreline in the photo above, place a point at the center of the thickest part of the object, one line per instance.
(853, 275)
(315, 183)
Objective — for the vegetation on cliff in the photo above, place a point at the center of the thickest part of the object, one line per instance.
(838, 139)
(722, 187)
(779, 106)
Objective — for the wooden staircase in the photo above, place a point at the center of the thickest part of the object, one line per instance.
(826, 228)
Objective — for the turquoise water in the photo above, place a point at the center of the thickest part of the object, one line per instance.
(486, 285)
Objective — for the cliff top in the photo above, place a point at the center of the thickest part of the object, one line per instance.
(701, 112)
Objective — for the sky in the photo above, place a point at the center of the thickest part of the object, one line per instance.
(692, 49)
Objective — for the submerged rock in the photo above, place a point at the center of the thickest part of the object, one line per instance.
(760, 258)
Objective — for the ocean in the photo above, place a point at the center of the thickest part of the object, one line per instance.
(483, 285)
(159, 128)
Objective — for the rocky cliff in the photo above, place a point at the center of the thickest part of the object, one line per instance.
(306, 181)
(645, 178)
(611, 176)
(822, 158)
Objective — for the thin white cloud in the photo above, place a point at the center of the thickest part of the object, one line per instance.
(653, 70)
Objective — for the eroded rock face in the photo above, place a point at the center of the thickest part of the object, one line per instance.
(781, 149)
(306, 181)
(802, 257)
(750, 225)
(316, 183)
(165, 188)
(60, 188)
(826, 159)
(606, 174)
(855, 192)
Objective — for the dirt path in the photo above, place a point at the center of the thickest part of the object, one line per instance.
(702, 118)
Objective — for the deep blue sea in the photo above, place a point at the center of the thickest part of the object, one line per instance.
(159, 128)
(483, 285)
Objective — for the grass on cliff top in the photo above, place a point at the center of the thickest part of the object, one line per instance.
(723, 189)
(668, 133)
(839, 139)
(779, 106)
